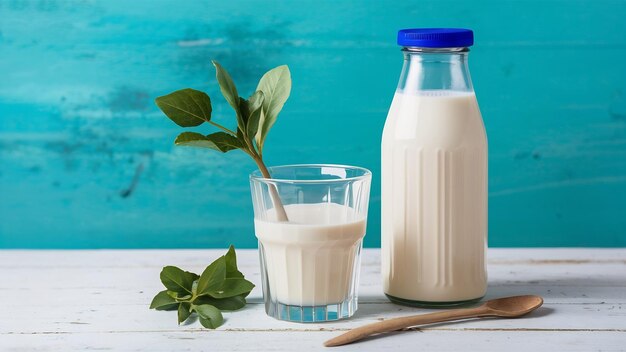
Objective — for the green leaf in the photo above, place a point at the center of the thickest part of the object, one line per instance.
(186, 107)
(193, 139)
(210, 317)
(183, 312)
(213, 277)
(222, 279)
(179, 296)
(227, 86)
(194, 287)
(225, 141)
(239, 134)
(219, 141)
(232, 287)
(231, 264)
(255, 107)
(255, 101)
(177, 280)
(229, 303)
(244, 113)
(276, 87)
(163, 301)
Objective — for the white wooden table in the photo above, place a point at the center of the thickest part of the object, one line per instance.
(98, 300)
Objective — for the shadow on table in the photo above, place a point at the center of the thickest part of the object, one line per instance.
(453, 325)
(374, 307)
(255, 300)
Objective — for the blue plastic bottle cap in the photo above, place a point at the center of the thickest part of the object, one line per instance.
(436, 37)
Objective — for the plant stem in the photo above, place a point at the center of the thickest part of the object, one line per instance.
(281, 214)
(223, 128)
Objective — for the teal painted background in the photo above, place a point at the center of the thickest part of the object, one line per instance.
(87, 161)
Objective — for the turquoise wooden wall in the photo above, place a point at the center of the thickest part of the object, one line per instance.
(87, 161)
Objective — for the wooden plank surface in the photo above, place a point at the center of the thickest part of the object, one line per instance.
(83, 300)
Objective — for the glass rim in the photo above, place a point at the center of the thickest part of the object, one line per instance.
(257, 176)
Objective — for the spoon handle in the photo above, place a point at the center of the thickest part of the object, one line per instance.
(404, 322)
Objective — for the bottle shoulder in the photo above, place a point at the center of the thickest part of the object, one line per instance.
(435, 118)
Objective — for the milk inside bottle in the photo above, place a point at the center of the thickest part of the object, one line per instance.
(434, 176)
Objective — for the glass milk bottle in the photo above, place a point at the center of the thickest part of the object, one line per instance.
(434, 176)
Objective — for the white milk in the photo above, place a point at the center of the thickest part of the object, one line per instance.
(312, 258)
(434, 197)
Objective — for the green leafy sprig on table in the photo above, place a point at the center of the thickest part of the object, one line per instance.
(221, 287)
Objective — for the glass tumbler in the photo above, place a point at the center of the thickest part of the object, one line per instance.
(310, 221)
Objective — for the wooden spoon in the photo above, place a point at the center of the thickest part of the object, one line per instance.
(508, 307)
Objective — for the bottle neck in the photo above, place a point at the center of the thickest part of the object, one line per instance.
(427, 69)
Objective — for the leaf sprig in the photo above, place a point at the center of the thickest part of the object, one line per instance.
(221, 287)
(255, 117)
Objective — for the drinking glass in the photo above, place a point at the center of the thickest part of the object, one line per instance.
(310, 221)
